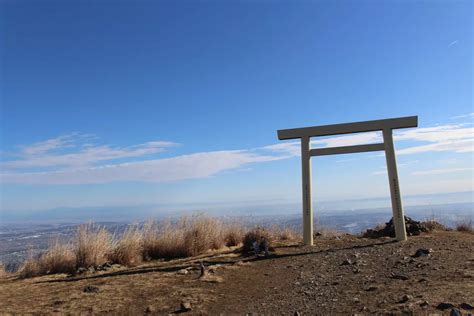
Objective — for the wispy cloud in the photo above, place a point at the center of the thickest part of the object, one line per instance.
(440, 171)
(470, 115)
(452, 43)
(72, 159)
(199, 165)
(76, 159)
(75, 150)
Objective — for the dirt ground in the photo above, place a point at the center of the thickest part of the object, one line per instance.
(343, 274)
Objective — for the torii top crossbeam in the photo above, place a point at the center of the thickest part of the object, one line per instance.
(347, 128)
(386, 126)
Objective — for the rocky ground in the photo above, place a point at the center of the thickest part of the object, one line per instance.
(429, 273)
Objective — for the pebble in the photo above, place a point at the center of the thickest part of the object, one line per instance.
(443, 306)
(455, 312)
(91, 289)
(185, 306)
(423, 252)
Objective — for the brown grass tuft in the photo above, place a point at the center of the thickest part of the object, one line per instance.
(286, 233)
(203, 233)
(59, 258)
(190, 236)
(3, 271)
(233, 235)
(433, 225)
(128, 250)
(465, 226)
(164, 241)
(30, 267)
(92, 245)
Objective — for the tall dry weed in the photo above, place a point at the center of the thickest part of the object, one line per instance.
(92, 245)
(128, 249)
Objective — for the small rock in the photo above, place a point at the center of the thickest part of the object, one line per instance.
(424, 304)
(455, 312)
(347, 262)
(81, 270)
(91, 269)
(296, 314)
(398, 276)
(372, 288)
(466, 306)
(406, 298)
(91, 289)
(443, 306)
(183, 271)
(150, 309)
(185, 307)
(423, 252)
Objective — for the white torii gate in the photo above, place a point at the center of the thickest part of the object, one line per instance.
(386, 126)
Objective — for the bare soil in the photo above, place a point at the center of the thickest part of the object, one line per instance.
(342, 274)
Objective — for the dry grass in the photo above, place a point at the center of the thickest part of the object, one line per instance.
(92, 245)
(128, 250)
(30, 267)
(164, 241)
(3, 271)
(59, 258)
(465, 226)
(285, 233)
(433, 225)
(190, 236)
(202, 233)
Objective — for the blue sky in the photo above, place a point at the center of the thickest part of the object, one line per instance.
(112, 103)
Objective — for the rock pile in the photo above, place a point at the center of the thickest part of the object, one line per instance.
(413, 228)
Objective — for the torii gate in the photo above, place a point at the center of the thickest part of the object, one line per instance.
(386, 126)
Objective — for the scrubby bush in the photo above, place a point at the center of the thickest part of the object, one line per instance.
(256, 241)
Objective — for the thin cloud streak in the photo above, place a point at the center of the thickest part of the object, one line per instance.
(440, 171)
(194, 166)
(453, 43)
(73, 159)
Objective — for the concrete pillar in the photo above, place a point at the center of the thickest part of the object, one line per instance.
(397, 208)
(306, 182)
